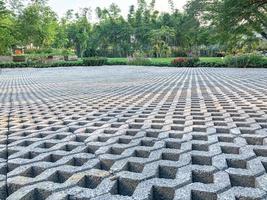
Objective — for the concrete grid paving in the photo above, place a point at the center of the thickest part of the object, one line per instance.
(139, 133)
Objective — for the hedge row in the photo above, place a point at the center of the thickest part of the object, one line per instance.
(84, 62)
(95, 61)
(103, 61)
(40, 65)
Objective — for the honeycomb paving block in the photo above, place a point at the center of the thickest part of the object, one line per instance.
(133, 133)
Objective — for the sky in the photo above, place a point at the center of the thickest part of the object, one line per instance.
(61, 6)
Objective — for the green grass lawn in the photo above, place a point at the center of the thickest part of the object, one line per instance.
(168, 60)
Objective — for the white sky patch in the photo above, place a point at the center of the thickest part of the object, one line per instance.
(61, 6)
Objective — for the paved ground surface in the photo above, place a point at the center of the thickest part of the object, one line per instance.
(133, 133)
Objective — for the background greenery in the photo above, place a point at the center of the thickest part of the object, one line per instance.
(205, 27)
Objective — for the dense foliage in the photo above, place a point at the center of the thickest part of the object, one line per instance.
(246, 60)
(209, 27)
(242, 61)
(94, 61)
(185, 62)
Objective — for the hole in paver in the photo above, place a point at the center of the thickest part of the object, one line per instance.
(80, 138)
(170, 156)
(242, 180)
(254, 140)
(141, 154)
(46, 145)
(177, 128)
(59, 177)
(222, 130)
(199, 123)
(40, 135)
(167, 172)
(152, 134)
(59, 137)
(25, 134)
(201, 160)
(199, 129)
(235, 163)
(264, 165)
(203, 195)
(202, 177)
(37, 194)
(176, 135)
(135, 126)
(115, 151)
(52, 158)
(225, 139)
(110, 131)
(25, 143)
(159, 117)
(55, 128)
(73, 129)
(230, 150)
(198, 118)
(131, 132)
(139, 120)
(90, 182)
(29, 155)
(32, 172)
(104, 165)
(106, 119)
(239, 119)
(122, 120)
(4, 154)
(158, 121)
(156, 126)
(77, 161)
(116, 125)
(243, 125)
(124, 187)
(124, 141)
(200, 137)
(200, 147)
(90, 149)
(182, 122)
(68, 147)
(4, 170)
(162, 193)
(260, 152)
(218, 119)
(147, 143)
(102, 138)
(134, 167)
(172, 145)
(89, 130)
(220, 124)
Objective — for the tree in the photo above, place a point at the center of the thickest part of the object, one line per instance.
(233, 20)
(79, 30)
(161, 39)
(111, 35)
(7, 35)
(37, 25)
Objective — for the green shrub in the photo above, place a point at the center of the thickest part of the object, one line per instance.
(179, 53)
(116, 62)
(209, 64)
(245, 60)
(94, 61)
(40, 65)
(185, 62)
(140, 61)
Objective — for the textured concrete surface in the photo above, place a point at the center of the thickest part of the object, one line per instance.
(133, 133)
